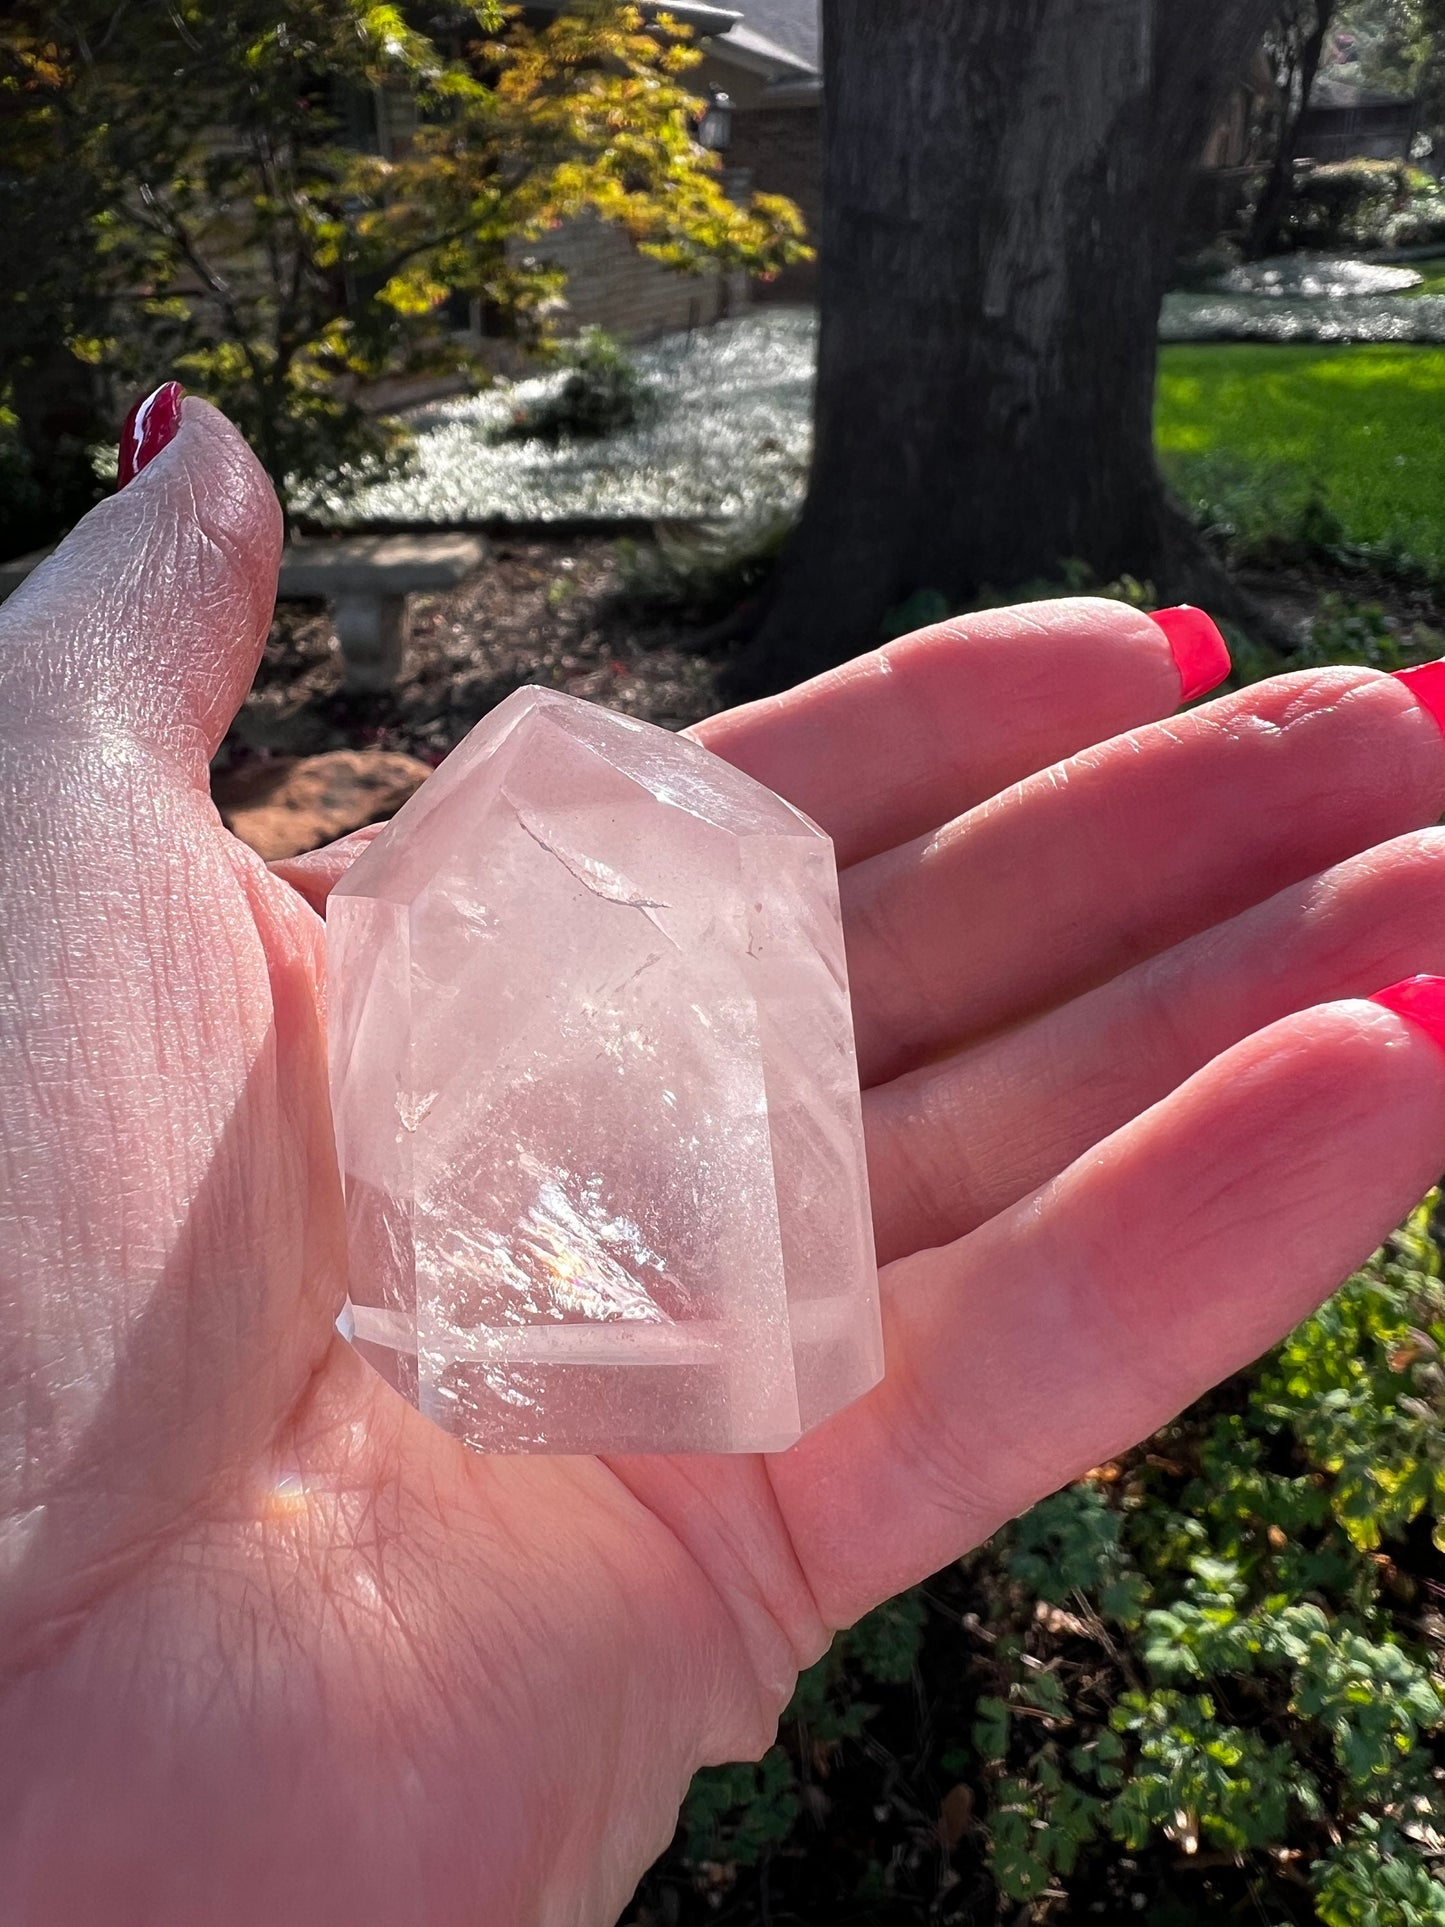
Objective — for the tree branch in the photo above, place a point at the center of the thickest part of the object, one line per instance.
(171, 228)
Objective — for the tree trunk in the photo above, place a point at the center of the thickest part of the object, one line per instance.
(1296, 85)
(1003, 185)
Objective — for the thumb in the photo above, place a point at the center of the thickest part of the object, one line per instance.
(150, 617)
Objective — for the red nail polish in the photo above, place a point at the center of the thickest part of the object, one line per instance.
(1421, 999)
(148, 427)
(1200, 653)
(1427, 685)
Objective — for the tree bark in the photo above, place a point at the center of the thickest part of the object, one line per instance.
(1003, 186)
(1295, 79)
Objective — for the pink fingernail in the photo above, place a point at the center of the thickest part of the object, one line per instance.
(1426, 684)
(148, 427)
(1420, 999)
(1201, 654)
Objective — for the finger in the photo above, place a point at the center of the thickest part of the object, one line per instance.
(150, 617)
(954, 1143)
(316, 874)
(898, 741)
(1085, 1317)
(1106, 859)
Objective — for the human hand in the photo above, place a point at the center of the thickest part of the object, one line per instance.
(273, 1647)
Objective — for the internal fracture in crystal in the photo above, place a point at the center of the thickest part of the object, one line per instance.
(596, 1098)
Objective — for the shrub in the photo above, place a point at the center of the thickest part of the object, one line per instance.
(1421, 223)
(1348, 203)
(602, 392)
(1365, 203)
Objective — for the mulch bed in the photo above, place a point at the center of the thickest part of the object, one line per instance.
(541, 610)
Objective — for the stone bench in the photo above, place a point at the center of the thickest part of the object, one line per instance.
(365, 578)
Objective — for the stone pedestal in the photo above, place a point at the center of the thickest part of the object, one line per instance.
(367, 580)
(372, 631)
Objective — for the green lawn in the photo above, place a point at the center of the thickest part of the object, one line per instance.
(1433, 270)
(1251, 433)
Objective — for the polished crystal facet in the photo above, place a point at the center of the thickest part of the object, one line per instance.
(596, 1098)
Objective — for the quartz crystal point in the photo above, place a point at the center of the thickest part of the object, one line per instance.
(596, 1098)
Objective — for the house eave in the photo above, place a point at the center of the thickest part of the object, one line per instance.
(756, 54)
(705, 19)
(803, 92)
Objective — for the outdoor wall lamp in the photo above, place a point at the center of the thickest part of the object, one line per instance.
(715, 129)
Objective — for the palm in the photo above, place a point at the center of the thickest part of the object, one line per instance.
(298, 1655)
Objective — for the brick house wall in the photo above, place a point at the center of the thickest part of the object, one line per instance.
(780, 149)
(610, 285)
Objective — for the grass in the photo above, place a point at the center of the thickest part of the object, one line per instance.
(1349, 440)
(1432, 272)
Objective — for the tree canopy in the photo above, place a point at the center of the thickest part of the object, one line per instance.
(278, 201)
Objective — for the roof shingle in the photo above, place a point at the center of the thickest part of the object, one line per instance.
(792, 24)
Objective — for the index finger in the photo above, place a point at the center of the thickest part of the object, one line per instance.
(896, 742)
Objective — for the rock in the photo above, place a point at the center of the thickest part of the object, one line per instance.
(287, 804)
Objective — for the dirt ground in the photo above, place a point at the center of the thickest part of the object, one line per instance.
(541, 610)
